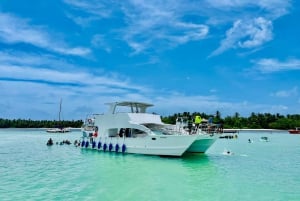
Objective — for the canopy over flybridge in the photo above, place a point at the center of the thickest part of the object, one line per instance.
(134, 107)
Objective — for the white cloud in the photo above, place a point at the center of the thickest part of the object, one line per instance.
(152, 25)
(89, 11)
(94, 7)
(246, 34)
(18, 30)
(287, 93)
(16, 66)
(273, 8)
(145, 23)
(99, 41)
(37, 89)
(251, 28)
(84, 92)
(156, 22)
(172, 103)
(270, 65)
(65, 78)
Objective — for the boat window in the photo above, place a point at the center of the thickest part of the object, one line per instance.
(112, 132)
(138, 133)
(161, 132)
(128, 132)
(159, 129)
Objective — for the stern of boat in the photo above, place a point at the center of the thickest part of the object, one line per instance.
(202, 143)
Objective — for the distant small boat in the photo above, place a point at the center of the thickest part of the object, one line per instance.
(264, 139)
(58, 130)
(295, 131)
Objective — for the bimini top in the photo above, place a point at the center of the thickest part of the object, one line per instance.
(128, 106)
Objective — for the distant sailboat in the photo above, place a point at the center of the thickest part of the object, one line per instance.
(60, 129)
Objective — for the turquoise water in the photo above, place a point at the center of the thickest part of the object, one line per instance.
(256, 171)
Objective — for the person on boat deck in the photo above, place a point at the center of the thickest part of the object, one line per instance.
(197, 120)
(210, 120)
(190, 124)
(95, 134)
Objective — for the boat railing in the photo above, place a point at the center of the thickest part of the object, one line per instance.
(185, 130)
(211, 128)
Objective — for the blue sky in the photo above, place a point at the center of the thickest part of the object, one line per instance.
(185, 55)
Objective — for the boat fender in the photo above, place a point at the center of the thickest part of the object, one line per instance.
(86, 144)
(82, 143)
(94, 144)
(99, 145)
(110, 147)
(104, 147)
(117, 147)
(123, 148)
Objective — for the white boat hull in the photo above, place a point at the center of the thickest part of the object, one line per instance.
(202, 144)
(149, 145)
(58, 130)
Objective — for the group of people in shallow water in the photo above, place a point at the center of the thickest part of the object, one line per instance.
(67, 142)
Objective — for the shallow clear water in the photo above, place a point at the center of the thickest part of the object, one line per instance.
(30, 170)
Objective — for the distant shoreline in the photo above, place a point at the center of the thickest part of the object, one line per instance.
(72, 129)
(253, 129)
(225, 129)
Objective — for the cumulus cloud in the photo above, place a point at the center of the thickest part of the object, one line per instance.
(246, 34)
(17, 30)
(251, 28)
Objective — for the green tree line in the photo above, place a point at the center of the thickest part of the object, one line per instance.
(28, 123)
(254, 121)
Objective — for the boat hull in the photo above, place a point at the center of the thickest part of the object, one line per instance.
(294, 131)
(58, 130)
(202, 144)
(149, 145)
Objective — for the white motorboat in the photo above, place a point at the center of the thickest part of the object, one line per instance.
(128, 128)
(58, 130)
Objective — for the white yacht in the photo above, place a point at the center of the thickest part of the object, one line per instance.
(58, 130)
(128, 128)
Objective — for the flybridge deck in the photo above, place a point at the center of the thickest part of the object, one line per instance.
(132, 107)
